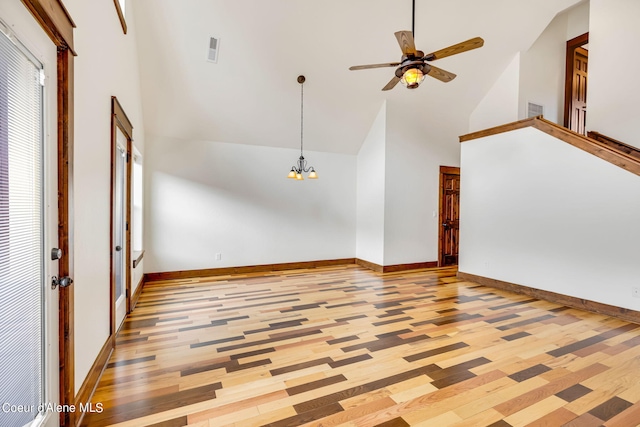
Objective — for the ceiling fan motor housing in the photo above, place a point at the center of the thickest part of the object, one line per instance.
(418, 65)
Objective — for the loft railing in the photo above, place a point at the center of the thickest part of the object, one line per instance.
(609, 149)
(614, 143)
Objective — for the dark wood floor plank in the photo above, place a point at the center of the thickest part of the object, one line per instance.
(531, 372)
(141, 408)
(176, 422)
(609, 409)
(315, 384)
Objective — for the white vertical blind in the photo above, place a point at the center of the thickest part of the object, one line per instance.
(21, 236)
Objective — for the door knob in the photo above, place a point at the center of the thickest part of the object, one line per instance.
(56, 253)
(118, 248)
(63, 282)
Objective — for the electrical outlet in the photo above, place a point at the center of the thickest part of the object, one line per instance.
(635, 291)
(218, 256)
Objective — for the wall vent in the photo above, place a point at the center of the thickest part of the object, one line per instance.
(214, 47)
(534, 110)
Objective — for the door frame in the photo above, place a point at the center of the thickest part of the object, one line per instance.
(444, 170)
(55, 20)
(572, 45)
(119, 120)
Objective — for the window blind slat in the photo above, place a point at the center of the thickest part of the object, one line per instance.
(21, 240)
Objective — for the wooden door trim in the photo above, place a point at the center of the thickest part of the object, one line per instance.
(56, 22)
(572, 45)
(119, 120)
(120, 12)
(444, 170)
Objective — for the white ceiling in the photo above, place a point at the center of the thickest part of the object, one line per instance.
(251, 95)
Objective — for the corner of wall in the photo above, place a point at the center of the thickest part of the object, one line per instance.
(500, 104)
(370, 191)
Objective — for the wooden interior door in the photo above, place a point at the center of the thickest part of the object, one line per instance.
(449, 215)
(579, 91)
(575, 92)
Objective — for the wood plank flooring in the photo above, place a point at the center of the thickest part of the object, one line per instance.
(347, 346)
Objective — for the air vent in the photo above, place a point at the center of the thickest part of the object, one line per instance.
(534, 110)
(214, 45)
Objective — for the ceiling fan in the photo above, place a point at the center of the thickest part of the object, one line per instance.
(413, 65)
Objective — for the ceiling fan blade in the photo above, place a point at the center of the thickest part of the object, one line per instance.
(365, 67)
(455, 49)
(405, 40)
(392, 83)
(440, 74)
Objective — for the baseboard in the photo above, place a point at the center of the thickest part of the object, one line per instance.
(369, 265)
(190, 274)
(263, 268)
(569, 301)
(93, 377)
(395, 267)
(405, 267)
(137, 293)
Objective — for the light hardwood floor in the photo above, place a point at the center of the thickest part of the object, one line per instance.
(348, 346)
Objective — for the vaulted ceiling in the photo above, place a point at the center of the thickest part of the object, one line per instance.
(251, 95)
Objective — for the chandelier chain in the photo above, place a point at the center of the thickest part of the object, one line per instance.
(301, 116)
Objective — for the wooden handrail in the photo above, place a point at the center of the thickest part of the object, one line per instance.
(500, 129)
(604, 150)
(614, 143)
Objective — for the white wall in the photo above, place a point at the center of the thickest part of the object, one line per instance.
(540, 213)
(500, 104)
(542, 72)
(535, 75)
(137, 276)
(106, 66)
(577, 20)
(205, 198)
(542, 67)
(613, 84)
(418, 143)
(370, 192)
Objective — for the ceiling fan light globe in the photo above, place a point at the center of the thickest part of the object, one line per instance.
(412, 78)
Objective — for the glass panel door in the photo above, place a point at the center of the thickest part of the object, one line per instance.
(28, 219)
(120, 227)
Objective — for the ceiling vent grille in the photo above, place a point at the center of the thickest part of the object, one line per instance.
(214, 47)
(534, 110)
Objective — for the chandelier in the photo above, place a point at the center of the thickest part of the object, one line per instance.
(301, 166)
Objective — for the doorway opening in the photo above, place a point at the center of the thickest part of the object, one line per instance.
(575, 99)
(121, 141)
